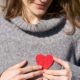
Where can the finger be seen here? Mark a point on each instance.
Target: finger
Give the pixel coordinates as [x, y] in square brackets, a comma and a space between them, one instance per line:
[40, 78]
[30, 75]
[56, 72]
[20, 65]
[30, 68]
[61, 62]
[55, 77]
[45, 78]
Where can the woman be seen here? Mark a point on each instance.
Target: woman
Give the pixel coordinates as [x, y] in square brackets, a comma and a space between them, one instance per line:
[29, 30]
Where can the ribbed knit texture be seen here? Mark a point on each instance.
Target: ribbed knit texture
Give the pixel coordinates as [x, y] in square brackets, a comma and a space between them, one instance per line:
[20, 40]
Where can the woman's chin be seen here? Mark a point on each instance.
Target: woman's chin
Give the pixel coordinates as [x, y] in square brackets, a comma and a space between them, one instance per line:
[40, 13]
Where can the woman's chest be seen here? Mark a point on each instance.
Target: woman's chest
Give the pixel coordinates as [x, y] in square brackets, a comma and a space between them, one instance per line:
[17, 48]
[31, 45]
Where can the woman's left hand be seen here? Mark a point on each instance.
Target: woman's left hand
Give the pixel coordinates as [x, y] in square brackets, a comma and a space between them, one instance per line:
[63, 74]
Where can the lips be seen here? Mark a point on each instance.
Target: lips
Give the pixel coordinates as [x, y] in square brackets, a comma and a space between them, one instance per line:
[40, 6]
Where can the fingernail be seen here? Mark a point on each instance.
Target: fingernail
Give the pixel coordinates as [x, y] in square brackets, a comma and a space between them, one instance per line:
[43, 74]
[44, 70]
[40, 66]
[25, 61]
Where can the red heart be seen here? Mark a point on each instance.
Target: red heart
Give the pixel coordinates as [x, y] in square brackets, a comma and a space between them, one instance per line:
[45, 61]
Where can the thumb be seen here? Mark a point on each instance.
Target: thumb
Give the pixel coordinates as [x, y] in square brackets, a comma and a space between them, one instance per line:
[61, 62]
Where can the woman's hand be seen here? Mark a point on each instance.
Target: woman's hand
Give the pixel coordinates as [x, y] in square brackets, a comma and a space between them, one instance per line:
[18, 72]
[63, 74]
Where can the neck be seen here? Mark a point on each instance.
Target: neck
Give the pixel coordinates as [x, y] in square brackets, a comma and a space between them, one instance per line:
[29, 17]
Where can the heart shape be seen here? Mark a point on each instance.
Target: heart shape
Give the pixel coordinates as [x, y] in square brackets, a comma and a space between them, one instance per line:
[45, 61]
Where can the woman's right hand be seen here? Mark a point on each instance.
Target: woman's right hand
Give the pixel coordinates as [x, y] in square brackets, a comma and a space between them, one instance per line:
[18, 72]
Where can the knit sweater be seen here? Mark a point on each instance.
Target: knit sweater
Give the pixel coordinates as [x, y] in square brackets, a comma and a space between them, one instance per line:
[20, 40]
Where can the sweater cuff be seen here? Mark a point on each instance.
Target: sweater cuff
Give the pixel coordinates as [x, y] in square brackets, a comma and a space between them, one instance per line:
[75, 71]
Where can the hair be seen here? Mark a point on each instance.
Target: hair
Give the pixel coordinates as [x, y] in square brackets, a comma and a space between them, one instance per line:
[72, 11]
[3, 5]
[70, 8]
[15, 8]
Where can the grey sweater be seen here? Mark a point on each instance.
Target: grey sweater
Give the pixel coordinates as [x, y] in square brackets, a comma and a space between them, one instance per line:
[20, 40]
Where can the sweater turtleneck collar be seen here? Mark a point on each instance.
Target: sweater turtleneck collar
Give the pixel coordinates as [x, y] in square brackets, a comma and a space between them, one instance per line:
[42, 26]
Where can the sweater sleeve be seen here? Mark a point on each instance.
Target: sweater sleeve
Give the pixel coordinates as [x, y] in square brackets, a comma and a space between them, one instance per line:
[75, 71]
[75, 63]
